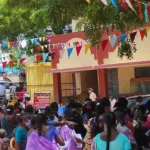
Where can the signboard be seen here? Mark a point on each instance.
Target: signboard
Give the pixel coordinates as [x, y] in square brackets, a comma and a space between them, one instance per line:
[41, 99]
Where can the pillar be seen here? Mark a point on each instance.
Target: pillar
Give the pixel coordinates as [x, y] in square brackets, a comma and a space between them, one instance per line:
[57, 87]
[102, 82]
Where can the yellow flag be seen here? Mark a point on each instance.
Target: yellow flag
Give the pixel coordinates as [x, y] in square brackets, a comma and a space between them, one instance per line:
[88, 1]
[87, 46]
[42, 47]
[8, 44]
[148, 30]
[44, 38]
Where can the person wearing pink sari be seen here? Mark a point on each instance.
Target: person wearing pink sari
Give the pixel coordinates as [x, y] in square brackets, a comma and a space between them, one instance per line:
[37, 140]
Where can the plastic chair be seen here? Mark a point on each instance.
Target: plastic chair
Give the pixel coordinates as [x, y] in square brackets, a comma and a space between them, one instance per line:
[12, 144]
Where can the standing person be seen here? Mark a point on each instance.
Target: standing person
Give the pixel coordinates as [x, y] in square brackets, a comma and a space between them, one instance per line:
[112, 102]
[8, 122]
[2, 93]
[13, 89]
[92, 95]
[21, 132]
[110, 139]
[36, 140]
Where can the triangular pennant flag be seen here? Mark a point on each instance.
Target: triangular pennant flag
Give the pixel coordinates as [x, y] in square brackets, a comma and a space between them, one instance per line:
[88, 1]
[31, 50]
[4, 58]
[114, 3]
[123, 4]
[48, 38]
[38, 58]
[43, 39]
[148, 30]
[32, 41]
[40, 39]
[129, 4]
[132, 36]
[11, 63]
[61, 53]
[140, 10]
[87, 47]
[45, 55]
[12, 44]
[42, 48]
[45, 46]
[77, 43]
[113, 40]
[4, 63]
[78, 49]
[8, 45]
[148, 9]
[146, 13]
[70, 50]
[22, 60]
[142, 33]
[38, 48]
[105, 2]
[122, 38]
[104, 43]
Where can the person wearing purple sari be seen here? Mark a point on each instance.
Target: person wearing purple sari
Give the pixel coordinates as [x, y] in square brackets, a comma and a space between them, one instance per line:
[36, 140]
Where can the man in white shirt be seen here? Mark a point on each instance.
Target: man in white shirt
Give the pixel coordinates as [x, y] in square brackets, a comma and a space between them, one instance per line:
[92, 95]
[112, 102]
[2, 89]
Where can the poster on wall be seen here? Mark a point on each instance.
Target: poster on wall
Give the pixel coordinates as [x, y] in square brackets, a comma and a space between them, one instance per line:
[41, 99]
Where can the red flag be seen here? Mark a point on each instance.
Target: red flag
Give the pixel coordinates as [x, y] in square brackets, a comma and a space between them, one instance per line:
[140, 10]
[104, 43]
[148, 9]
[11, 63]
[132, 36]
[38, 58]
[38, 48]
[4, 63]
[142, 33]
[78, 49]
[22, 60]
[12, 44]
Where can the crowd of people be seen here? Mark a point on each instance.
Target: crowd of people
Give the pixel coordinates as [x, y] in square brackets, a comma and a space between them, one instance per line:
[106, 124]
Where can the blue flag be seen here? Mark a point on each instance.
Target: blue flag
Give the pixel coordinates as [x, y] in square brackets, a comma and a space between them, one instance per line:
[69, 51]
[114, 3]
[122, 38]
[113, 40]
[45, 56]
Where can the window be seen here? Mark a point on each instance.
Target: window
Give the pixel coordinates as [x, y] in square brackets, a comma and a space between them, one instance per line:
[142, 72]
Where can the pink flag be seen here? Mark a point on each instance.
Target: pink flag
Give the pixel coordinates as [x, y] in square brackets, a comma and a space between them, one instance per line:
[4, 63]
[105, 2]
[22, 60]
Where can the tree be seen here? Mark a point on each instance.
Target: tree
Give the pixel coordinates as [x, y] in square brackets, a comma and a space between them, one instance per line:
[35, 15]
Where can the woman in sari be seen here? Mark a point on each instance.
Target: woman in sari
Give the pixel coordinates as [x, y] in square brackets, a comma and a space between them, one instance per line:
[36, 140]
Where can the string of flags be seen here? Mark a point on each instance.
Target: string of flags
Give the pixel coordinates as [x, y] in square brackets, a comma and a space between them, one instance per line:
[143, 8]
[79, 46]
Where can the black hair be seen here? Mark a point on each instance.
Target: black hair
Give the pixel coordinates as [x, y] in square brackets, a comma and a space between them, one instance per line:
[98, 127]
[40, 120]
[21, 117]
[29, 109]
[48, 110]
[10, 110]
[104, 101]
[139, 99]
[120, 117]
[16, 105]
[54, 106]
[74, 116]
[122, 103]
[110, 121]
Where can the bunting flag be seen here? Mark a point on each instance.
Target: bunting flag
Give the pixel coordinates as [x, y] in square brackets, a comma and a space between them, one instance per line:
[104, 43]
[132, 36]
[142, 33]
[113, 40]
[12, 44]
[8, 45]
[42, 48]
[45, 55]
[146, 13]
[48, 38]
[87, 47]
[31, 50]
[88, 1]
[43, 39]
[148, 9]
[104, 2]
[148, 30]
[129, 4]
[38, 58]
[140, 10]
[11, 63]
[4, 63]
[70, 50]
[114, 3]
[38, 48]
[123, 4]
[61, 53]
[22, 60]
[123, 37]
[78, 50]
